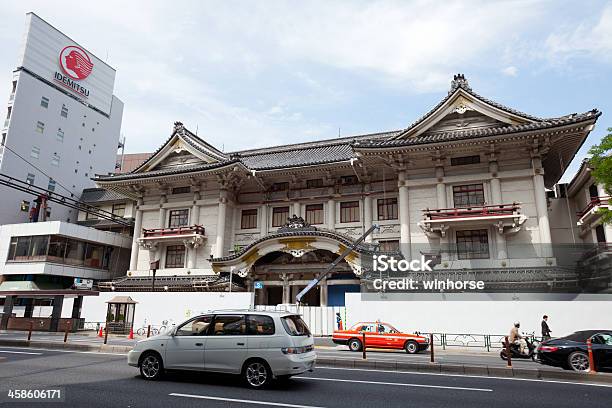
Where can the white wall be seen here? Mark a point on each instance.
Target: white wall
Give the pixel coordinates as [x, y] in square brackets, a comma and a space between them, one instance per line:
[159, 306]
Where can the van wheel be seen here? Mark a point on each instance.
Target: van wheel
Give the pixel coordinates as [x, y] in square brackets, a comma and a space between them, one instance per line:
[354, 345]
[151, 366]
[411, 347]
[256, 374]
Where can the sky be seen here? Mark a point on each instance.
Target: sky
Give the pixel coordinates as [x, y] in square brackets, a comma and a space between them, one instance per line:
[247, 74]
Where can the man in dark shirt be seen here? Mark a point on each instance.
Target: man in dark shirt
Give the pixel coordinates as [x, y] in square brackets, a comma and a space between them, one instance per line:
[545, 329]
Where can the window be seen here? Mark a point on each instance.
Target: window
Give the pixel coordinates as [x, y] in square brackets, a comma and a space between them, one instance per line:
[284, 186]
[64, 112]
[314, 214]
[248, 219]
[348, 180]
[40, 127]
[387, 209]
[295, 326]
[229, 325]
[175, 256]
[75, 252]
[94, 255]
[44, 102]
[51, 185]
[92, 214]
[181, 190]
[314, 183]
[30, 179]
[195, 327]
[388, 246]
[178, 218]
[473, 244]
[59, 135]
[461, 161]
[119, 209]
[280, 215]
[55, 159]
[349, 211]
[260, 325]
[467, 195]
[35, 153]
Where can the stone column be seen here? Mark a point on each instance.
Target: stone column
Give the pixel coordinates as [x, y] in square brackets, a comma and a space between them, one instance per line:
[264, 220]
[9, 301]
[136, 235]
[331, 214]
[441, 202]
[56, 313]
[286, 289]
[162, 211]
[323, 293]
[404, 215]
[541, 207]
[297, 209]
[496, 199]
[190, 250]
[221, 215]
[367, 213]
[195, 209]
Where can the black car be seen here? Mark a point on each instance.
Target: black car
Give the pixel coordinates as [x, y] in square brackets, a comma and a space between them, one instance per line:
[570, 352]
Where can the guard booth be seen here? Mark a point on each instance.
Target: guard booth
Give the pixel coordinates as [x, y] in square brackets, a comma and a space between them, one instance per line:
[120, 314]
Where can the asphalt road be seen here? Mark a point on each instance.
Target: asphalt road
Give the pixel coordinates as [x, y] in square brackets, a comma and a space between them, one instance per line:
[102, 380]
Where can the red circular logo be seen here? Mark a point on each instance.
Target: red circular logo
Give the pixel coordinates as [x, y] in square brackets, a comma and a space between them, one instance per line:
[75, 62]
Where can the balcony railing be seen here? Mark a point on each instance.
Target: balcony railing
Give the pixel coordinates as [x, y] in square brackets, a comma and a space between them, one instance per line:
[595, 202]
[477, 211]
[173, 231]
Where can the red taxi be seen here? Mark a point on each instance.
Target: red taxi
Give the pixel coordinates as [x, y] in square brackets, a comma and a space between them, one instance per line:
[380, 335]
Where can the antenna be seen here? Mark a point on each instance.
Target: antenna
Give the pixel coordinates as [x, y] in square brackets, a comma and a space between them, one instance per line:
[197, 127]
[338, 131]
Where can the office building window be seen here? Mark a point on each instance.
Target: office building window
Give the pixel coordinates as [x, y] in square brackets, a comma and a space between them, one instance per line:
[30, 179]
[472, 244]
[387, 209]
[35, 153]
[119, 209]
[280, 215]
[467, 195]
[44, 102]
[248, 219]
[314, 183]
[64, 112]
[51, 185]
[391, 245]
[40, 127]
[178, 218]
[314, 214]
[60, 135]
[175, 256]
[55, 159]
[349, 211]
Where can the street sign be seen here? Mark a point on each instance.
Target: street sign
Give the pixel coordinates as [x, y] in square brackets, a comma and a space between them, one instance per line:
[259, 285]
[80, 283]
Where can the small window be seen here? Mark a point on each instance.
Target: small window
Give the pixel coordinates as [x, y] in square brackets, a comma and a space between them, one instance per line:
[260, 325]
[461, 161]
[314, 214]
[59, 135]
[181, 190]
[349, 211]
[119, 209]
[55, 159]
[248, 219]
[348, 180]
[195, 327]
[284, 186]
[44, 102]
[387, 209]
[295, 326]
[473, 244]
[175, 256]
[64, 112]
[40, 127]
[92, 214]
[51, 185]
[314, 183]
[468, 195]
[178, 218]
[35, 153]
[229, 325]
[30, 179]
[389, 246]
[280, 215]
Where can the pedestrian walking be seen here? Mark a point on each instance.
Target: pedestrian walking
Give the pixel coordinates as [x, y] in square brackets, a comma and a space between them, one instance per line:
[545, 329]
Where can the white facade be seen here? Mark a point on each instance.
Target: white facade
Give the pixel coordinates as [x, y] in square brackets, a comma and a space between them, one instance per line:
[66, 133]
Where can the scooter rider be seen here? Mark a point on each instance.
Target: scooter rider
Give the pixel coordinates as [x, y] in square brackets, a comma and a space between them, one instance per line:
[516, 338]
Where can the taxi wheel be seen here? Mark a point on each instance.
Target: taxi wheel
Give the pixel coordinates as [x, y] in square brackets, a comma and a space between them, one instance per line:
[411, 347]
[354, 345]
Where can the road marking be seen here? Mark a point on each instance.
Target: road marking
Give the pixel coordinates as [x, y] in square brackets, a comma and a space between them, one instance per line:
[19, 352]
[444, 387]
[72, 351]
[470, 376]
[207, 397]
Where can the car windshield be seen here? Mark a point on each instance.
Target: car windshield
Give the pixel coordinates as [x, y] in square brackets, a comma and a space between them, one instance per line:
[295, 326]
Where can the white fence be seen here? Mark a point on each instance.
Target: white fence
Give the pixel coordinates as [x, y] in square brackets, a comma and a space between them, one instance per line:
[320, 319]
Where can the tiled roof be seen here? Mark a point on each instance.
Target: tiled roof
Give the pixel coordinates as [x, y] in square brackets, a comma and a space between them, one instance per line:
[168, 172]
[98, 195]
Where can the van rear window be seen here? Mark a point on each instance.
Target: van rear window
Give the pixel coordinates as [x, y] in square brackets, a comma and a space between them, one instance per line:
[295, 326]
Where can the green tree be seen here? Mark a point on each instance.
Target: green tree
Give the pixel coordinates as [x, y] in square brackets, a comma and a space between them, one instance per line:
[601, 162]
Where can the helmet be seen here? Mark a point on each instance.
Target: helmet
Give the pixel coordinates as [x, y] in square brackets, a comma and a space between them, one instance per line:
[517, 324]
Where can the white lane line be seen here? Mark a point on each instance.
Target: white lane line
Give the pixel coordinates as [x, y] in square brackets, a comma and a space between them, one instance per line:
[443, 387]
[208, 397]
[470, 376]
[19, 352]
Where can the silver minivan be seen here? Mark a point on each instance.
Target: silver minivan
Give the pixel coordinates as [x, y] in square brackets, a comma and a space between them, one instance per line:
[259, 346]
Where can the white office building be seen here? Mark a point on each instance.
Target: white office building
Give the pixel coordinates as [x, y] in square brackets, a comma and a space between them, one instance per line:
[62, 121]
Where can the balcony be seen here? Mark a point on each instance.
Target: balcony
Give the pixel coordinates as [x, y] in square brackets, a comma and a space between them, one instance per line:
[193, 234]
[589, 214]
[505, 217]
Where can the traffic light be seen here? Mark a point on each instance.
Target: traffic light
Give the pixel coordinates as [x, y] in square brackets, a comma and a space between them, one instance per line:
[25, 206]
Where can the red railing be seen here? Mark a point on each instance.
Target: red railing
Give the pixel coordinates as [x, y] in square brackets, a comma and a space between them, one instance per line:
[595, 201]
[472, 211]
[164, 232]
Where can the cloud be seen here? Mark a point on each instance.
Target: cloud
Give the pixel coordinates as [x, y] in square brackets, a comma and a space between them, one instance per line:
[510, 71]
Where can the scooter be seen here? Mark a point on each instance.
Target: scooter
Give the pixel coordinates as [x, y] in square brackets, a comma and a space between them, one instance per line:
[532, 345]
